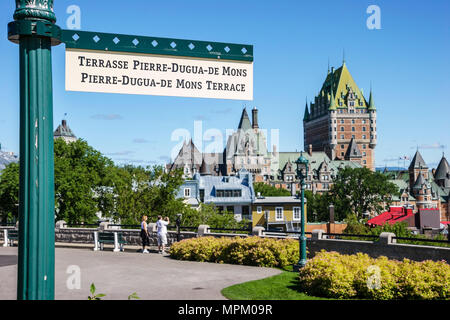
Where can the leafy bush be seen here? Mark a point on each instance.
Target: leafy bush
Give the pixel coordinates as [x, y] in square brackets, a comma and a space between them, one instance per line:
[330, 274]
[252, 251]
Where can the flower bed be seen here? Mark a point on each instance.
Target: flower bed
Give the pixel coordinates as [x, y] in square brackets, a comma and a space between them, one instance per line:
[330, 274]
[252, 251]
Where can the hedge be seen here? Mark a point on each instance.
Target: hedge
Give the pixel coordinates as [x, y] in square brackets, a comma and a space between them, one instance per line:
[330, 274]
[252, 251]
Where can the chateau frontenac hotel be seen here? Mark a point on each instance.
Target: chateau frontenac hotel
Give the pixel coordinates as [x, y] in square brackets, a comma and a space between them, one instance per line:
[341, 122]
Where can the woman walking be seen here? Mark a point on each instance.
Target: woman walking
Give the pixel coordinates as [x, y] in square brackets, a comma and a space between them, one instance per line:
[144, 234]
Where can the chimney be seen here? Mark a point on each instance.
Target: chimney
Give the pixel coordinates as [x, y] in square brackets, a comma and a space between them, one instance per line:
[310, 149]
[255, 118]
[64, 123]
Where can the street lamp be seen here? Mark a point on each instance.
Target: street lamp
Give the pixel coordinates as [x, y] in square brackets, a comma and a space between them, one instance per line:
[302, 173]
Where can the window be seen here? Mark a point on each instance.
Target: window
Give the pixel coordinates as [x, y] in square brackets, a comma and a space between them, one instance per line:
[364, 154]
[279, 213]
[363, 121]
[259, 209]
[364, 129]
[228, 193]
[353, 136]
[342, 128]
[364, 146]
[353, 121]
[187, 192]
[364, 136]
[342, 120]
[342, 146]
[230, 209]
[202, 195]
[364, 161]
[342, 136]
[353, 128]
[342, 154]
[296, 211]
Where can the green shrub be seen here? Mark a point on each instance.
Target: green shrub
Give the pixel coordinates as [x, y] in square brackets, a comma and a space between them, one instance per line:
[252, 251]
[330, 274]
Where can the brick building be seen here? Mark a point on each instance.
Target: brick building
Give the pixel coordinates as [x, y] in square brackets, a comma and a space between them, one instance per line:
[340, 121]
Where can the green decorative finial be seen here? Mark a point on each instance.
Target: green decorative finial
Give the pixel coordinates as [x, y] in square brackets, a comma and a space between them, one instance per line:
[34, 10]
[371, 103]
[332, 102]
[306, 116]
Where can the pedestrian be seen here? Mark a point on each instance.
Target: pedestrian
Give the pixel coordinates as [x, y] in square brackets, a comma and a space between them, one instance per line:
[161, 226]
[144, 234]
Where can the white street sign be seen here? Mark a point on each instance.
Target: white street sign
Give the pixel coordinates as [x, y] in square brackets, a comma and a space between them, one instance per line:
[147, 74]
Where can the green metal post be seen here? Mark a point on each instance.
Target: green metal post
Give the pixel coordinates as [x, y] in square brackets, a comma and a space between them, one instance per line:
[35, 32]
[303, 162]
[302, 261]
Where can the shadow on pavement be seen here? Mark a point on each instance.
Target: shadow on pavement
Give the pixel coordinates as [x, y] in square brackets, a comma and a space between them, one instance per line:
[8, 260]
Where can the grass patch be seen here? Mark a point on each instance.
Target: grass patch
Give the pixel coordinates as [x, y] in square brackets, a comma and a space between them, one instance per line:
[280, 287]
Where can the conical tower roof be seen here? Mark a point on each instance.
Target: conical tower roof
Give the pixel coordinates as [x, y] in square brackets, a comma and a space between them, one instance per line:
[371, 103]
[204, 169]
[306, 115]
[353, 150]
[244, 123]
[418, 162]
[332, 102]
[442, 169]
[419, 182]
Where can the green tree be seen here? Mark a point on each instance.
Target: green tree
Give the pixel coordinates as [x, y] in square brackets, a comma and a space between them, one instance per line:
[9, 192]
[359, 190]
[208, 214]
[81, 179]
[267, 190]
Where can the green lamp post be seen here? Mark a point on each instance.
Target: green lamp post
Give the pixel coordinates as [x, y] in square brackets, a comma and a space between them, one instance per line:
[35, 31]
[302, 172]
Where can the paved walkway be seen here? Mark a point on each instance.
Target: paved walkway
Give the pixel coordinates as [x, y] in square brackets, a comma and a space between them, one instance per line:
[118, 274]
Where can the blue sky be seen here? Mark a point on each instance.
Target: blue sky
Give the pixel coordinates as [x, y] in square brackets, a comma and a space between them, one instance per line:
[406, 61]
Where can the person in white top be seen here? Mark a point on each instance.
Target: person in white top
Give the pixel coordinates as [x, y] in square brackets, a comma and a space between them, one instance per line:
[161, 226]
[144, 234]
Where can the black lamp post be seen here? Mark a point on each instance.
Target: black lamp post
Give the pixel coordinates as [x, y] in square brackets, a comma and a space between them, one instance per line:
[302, 172]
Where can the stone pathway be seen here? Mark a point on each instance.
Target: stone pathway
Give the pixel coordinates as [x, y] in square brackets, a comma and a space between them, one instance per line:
[118, 274]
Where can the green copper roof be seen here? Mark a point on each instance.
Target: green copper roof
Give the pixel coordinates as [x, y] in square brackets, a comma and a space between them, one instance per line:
[371, 103]
[336, 88]
[306, 116]
[333, 102]
[244, 123]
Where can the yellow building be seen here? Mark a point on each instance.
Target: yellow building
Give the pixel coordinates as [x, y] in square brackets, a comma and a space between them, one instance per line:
[277, 212]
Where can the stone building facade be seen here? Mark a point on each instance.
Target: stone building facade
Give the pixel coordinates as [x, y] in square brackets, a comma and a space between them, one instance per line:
[421, 188]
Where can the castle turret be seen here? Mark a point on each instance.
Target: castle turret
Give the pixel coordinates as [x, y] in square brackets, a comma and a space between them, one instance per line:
[373, 121]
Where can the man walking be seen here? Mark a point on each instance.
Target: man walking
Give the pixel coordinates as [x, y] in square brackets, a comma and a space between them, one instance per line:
[161, 226]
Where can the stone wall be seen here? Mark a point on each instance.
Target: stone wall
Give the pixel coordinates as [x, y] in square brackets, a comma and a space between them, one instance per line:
[385, 246]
